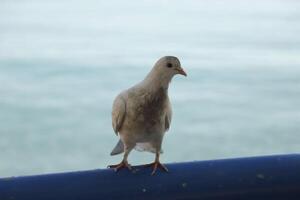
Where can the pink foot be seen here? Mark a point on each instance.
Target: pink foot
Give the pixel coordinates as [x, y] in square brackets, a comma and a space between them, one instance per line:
[119, 166]
[156, 165]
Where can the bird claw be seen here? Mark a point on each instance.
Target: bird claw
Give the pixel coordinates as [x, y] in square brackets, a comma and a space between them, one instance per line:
[156, 165]
[119, 166]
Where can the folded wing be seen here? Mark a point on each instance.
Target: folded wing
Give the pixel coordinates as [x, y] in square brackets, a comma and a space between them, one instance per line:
[118, 113]
[168, 117]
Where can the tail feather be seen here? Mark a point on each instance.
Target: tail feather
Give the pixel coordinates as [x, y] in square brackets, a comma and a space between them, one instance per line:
[119, 148]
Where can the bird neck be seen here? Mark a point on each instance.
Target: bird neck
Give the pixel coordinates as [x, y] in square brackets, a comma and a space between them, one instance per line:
[156, 81]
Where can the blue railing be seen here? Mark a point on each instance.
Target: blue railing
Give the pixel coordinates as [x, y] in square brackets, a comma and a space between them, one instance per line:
[265, 177]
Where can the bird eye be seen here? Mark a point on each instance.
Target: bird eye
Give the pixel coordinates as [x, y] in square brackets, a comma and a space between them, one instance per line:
[169, 65]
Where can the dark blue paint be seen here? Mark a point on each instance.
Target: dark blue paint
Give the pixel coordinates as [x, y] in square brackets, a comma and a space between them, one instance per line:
[266, 177]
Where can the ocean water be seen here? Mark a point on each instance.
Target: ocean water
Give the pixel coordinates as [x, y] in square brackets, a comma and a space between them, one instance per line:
[63, 62]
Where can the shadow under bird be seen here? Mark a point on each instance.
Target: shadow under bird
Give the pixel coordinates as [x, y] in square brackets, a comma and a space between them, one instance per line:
[142, 114]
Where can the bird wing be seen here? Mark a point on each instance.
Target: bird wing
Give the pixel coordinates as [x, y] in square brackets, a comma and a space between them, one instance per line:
[168, 117]
[118, 113]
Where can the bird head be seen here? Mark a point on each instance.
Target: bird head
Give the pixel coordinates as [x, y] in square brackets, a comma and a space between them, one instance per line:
[163, 71]
[168, 66]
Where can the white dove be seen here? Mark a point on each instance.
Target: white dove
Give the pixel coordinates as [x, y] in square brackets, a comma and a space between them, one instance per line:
[142, 114]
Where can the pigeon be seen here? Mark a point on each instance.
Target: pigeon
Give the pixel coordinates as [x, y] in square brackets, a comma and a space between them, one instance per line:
[142, 114]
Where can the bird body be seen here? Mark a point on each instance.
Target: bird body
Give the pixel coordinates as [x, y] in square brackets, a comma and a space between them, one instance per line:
[147, 116]
[142, 114]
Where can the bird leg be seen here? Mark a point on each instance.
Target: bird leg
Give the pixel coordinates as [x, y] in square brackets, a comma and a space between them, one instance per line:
[124, 163]
[156, 164]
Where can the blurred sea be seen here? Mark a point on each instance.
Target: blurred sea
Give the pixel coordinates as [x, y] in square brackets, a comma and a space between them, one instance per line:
[63, 62]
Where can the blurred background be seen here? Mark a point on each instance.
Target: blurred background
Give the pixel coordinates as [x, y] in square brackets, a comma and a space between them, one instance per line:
[63, 62]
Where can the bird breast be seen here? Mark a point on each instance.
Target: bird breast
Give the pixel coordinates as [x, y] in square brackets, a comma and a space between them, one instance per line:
[149, 110]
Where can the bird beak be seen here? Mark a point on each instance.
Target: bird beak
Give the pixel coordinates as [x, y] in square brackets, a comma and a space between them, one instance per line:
[181, 71]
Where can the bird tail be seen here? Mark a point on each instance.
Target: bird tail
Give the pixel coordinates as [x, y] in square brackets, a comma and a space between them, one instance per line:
[119, 148]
